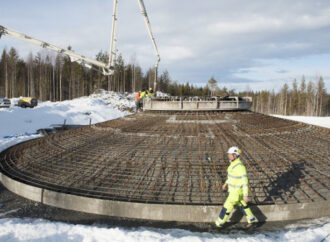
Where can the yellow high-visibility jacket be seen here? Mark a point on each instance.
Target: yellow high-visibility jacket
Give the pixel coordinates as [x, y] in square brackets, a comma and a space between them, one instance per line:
[143, 95]
[237, 178]
[151, 94]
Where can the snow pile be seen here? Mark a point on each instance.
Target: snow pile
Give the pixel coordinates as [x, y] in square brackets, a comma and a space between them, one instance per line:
[319, 121]
[121, 101]
[19, 124]
[16, 121]
[42, 230]
[162, 94]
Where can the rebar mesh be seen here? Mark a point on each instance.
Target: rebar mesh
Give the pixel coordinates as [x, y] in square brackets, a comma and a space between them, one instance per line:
[178, 158]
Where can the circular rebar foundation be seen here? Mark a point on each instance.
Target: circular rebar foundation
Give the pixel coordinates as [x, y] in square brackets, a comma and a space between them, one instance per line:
[175, 159]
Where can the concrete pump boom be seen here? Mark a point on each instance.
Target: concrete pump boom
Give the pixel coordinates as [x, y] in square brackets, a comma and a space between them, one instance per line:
[112, 53]
[146, 19]
[73, 56]
[113, 37]
[105, 69]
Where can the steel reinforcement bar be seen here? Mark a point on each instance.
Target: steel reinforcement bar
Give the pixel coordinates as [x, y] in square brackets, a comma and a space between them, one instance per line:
[178, 158]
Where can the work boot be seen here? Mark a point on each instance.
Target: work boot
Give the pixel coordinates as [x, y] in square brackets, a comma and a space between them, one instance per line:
[218, 223]
[251, 223]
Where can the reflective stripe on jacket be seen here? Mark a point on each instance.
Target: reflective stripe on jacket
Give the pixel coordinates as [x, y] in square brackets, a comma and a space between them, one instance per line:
[237, 178]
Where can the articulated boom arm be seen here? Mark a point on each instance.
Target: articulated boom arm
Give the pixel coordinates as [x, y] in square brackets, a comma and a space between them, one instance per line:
[105, 69]
[73, 56]
[113, 41]
[146, 19]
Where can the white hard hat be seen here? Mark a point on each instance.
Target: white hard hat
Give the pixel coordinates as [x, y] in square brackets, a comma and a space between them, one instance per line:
[234, 150]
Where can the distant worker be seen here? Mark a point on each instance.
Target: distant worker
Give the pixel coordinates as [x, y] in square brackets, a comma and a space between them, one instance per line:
[137, 100]
[237, 182]
[151, 92]
[143, 93]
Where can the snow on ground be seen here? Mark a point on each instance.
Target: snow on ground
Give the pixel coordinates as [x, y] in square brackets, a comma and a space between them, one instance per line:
[42, 230]
[319, 121]
[15, 139]
[17, 125]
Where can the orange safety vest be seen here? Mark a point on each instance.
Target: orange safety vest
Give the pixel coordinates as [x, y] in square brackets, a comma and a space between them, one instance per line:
[137, 97]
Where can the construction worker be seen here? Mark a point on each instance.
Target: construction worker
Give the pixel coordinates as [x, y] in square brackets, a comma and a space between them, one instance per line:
[237, 182]
[137, 100]
[151, 92]
[143, 93]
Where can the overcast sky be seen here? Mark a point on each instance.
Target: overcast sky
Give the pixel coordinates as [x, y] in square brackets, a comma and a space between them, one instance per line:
[256, 44]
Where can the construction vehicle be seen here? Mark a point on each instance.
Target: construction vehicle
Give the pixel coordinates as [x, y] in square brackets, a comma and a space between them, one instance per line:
[4, 102]
[27, 102]
[105, 69]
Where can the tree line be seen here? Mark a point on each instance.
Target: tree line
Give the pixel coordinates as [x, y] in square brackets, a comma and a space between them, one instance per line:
[308, 99]
[47, 76]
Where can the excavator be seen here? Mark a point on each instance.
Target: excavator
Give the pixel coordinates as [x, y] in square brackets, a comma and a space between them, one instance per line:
[105, 69]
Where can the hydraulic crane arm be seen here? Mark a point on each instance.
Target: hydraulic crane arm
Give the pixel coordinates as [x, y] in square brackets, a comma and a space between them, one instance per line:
[73, 56]
[107, 69]
[146, 19]
[113, 36]
[113, 40]
[112, 53]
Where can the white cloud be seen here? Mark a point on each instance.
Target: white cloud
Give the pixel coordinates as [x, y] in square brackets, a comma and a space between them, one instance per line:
[174, 53]
[196, 39]
[256, 23]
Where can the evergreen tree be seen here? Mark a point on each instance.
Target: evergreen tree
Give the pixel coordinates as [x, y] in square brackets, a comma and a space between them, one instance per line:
[59, 76]
[4, 83]
[102, 81]
[284, 99]
[164, 82]
[12, 71]
[66, 78]
[310, 99]
[320, 98]
[30, 76]
[302, 97]
[294, 99]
